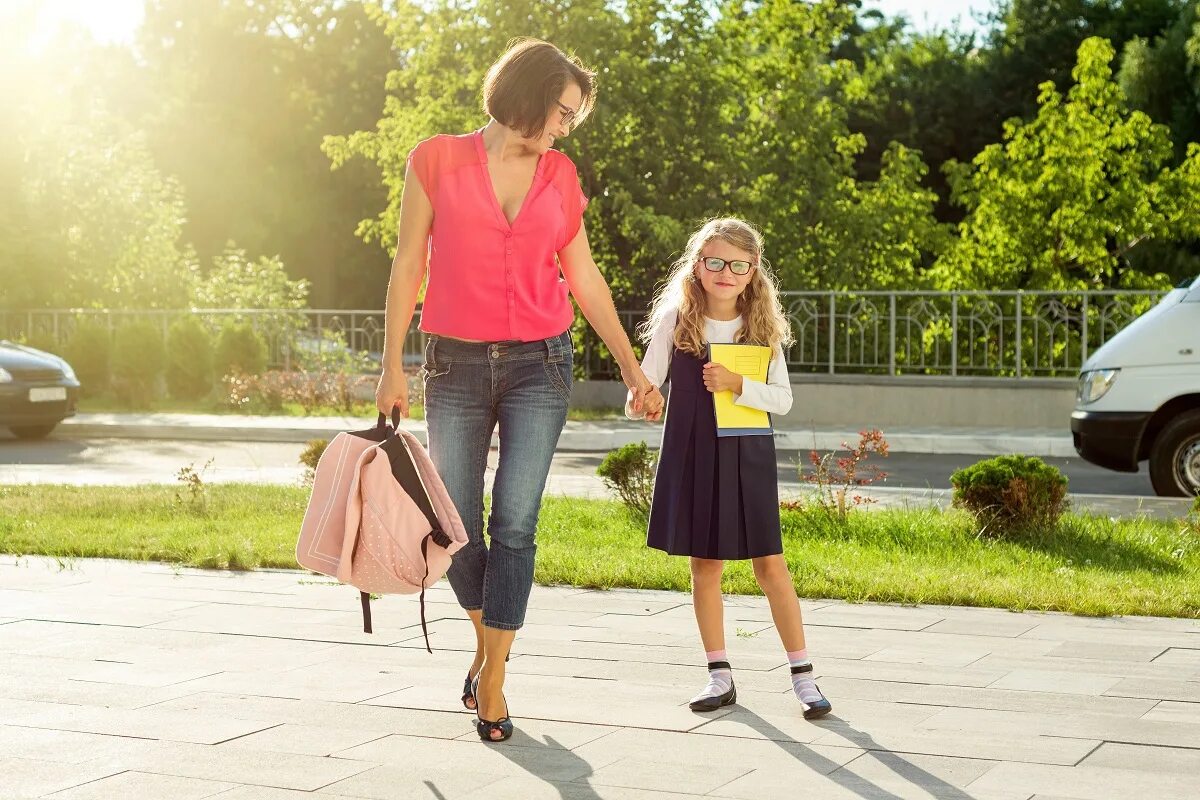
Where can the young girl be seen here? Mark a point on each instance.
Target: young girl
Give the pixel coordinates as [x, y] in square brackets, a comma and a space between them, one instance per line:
[717, 499]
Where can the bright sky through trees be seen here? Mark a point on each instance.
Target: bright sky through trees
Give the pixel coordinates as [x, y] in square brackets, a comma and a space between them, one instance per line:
[926, 15]
[114, 21]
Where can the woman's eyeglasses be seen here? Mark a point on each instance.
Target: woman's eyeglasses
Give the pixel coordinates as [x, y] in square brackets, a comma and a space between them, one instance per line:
[569, 115]
[714, 264]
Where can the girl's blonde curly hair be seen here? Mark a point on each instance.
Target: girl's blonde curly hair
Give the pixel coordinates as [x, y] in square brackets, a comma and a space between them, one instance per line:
[763, 320]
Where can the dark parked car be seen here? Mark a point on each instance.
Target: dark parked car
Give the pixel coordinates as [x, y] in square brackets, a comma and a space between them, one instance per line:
[37, 390]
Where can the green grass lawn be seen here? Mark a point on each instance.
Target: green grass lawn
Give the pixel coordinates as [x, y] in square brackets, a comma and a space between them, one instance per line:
[1090, 565]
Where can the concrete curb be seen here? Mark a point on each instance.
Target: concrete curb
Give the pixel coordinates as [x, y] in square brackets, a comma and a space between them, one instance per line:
[587, 437]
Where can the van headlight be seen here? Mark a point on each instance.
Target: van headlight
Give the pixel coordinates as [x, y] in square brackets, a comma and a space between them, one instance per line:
[1095, 384]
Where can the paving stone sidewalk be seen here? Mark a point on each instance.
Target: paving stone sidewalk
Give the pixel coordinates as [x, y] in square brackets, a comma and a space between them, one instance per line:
[126, 680]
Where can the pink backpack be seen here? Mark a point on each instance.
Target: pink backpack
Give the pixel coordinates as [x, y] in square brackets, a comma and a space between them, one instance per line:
[379, 517]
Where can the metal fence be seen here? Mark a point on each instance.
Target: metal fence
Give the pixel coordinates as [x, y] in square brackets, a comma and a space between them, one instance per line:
[982, 333]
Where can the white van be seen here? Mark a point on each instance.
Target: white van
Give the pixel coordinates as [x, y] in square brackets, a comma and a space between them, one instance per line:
[1139, 396]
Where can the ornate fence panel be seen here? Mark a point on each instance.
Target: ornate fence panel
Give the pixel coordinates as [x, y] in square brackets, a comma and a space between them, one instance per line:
[998, 334]
[984, 333]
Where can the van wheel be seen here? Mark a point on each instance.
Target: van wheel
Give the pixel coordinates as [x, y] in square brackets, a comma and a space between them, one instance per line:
[1175, 457]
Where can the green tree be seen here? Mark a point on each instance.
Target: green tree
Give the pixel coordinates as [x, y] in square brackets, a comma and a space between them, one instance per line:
[1161, 76]
[947, 93]
[1065, 198]
[235, 98]
[238, 281]
[115, 221]
[87, 219]
[928, 92]
[704, 109]
[1035, 41]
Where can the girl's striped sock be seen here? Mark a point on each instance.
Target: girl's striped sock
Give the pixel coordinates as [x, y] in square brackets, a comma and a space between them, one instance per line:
[802, 674]
[720, 675]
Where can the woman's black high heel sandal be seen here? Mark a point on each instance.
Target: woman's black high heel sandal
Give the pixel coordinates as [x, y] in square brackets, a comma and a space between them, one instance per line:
[484, 727]
[468, 695]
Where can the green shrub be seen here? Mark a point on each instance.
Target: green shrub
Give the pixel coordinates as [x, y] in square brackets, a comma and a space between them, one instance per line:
[189, 359]
[89, 352]
[1011, 493]
[313, 451]
[628, 472]
[240, 350]
[139, 356]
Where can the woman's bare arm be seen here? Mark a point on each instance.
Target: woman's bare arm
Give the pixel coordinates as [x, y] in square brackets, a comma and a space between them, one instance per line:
[404, 286]
[591, 292]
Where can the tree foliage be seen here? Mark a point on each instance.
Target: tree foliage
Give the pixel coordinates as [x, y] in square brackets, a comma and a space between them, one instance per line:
[238, 281]
[828, 124]
[235, 97]
[704, 109]
[1161, 76]
[87, 218]
[1065, 198]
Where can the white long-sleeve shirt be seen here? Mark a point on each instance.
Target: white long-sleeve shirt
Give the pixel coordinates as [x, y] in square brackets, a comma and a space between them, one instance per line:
[774, 396]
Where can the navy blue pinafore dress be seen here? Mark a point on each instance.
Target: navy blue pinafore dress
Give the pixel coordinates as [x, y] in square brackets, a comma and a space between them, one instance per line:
[714, 497]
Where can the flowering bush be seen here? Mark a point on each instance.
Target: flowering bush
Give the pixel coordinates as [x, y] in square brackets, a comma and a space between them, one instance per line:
[837, 475]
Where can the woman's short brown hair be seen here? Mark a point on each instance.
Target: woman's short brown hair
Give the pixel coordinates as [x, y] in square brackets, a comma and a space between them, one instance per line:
[525, 83]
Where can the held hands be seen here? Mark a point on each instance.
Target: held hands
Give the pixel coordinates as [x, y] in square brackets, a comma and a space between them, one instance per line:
[719, 379]
[645, 401]
[392, 392]
[652, 408]
[654, 404]
[635, 380]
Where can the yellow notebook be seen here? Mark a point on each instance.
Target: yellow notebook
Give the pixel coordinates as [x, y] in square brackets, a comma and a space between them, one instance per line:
[749, 361]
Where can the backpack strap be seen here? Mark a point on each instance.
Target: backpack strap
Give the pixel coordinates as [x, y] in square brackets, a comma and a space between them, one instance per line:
[425, 557]
[404, 470]
[365, 599]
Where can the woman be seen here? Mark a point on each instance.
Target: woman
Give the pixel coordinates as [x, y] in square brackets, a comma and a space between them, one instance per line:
[497, 215]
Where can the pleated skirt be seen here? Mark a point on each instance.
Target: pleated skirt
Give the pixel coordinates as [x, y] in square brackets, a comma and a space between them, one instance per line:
[714, 497]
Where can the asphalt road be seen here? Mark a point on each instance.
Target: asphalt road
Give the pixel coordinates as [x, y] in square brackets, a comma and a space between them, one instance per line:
[126, 461]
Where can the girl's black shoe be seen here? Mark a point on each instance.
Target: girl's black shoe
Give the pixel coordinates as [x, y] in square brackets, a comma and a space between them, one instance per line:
[818, 709]
[713, 702]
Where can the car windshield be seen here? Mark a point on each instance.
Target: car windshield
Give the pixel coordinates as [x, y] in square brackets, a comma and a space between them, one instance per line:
[1186, 283]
